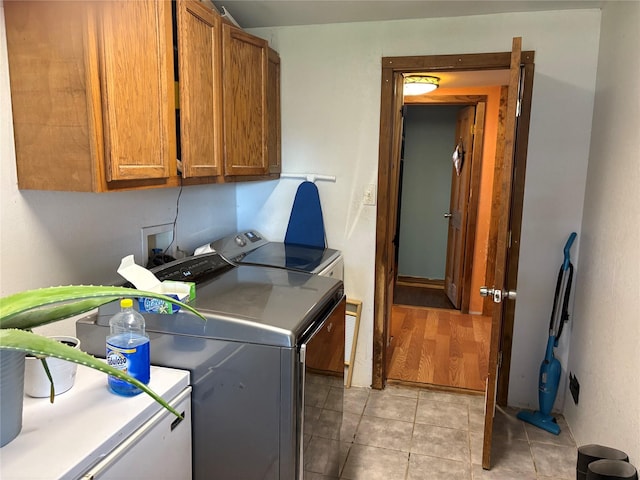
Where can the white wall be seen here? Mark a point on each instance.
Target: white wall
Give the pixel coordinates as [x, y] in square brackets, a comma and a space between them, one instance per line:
[330, 125]
[53, 238]
[605, 345]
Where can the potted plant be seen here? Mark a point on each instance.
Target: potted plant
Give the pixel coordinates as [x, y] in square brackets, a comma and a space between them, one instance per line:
[44, 377]
[21, 312]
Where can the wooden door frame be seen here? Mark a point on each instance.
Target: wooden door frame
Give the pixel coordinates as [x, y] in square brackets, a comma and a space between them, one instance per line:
[480, 103]
[392, 67]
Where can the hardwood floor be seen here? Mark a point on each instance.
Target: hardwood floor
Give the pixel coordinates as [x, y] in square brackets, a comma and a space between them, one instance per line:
[439, 347]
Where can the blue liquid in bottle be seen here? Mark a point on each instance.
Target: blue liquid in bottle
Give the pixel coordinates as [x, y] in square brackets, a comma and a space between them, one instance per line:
[128, 349]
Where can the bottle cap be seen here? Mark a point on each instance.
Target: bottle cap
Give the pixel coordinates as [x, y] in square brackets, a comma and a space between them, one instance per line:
[126, 303]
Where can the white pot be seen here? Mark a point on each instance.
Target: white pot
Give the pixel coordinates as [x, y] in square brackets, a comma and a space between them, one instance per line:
[36, 382]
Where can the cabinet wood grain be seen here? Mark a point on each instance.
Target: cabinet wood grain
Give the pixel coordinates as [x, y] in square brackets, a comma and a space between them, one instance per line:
[244, 79]
[89, 93]
[199, 54]
[273, 113]
[107, 96]
[137, 69]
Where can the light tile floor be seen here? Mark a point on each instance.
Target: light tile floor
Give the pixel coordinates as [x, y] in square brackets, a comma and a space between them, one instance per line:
[405, 433]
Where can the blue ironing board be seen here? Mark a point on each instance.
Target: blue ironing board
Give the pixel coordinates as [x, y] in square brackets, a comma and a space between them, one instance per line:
[306, 226]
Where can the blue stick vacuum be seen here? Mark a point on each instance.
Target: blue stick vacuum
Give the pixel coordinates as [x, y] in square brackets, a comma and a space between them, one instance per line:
[551, 369]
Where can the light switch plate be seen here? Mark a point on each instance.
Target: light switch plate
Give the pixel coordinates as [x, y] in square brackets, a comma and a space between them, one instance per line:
[369, 197]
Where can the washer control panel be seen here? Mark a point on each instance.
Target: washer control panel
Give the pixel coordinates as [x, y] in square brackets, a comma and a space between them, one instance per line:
[234, 246]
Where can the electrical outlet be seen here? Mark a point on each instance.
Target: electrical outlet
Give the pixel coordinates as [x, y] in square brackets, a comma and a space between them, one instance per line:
[574, 387]
[369, 197]
[157, 236]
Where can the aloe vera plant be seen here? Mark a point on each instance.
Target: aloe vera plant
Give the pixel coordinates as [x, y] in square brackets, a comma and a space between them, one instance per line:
[21, 312]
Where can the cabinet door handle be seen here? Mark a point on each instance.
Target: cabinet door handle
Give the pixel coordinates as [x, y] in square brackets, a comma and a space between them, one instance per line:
[177, 421]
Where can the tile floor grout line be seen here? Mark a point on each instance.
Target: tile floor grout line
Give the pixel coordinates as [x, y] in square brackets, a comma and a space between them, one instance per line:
[470, 463]
[413, 429]
[529, 442]
[353, 440]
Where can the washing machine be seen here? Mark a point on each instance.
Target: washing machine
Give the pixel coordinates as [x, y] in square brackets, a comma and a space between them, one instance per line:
[258, 366]
[252, 248]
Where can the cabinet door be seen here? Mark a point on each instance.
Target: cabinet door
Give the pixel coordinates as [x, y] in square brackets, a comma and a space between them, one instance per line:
[200, 100]
[53, 139]
[325, 351]
[244, 80]
[273, 113]
[161, 448]
[137, 89]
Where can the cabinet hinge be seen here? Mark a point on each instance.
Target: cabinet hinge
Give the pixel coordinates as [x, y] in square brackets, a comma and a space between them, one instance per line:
[499, 360]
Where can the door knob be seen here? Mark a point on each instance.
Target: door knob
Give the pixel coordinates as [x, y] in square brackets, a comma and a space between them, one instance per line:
[447, 215]
[497, 294]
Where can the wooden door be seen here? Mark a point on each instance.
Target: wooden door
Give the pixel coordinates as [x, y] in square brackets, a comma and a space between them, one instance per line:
[244, 83]
[200, 87]
[137, 81]
[502, 245]
[459, 205]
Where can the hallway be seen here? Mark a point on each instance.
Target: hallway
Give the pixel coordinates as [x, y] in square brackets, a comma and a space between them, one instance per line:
[439, 347]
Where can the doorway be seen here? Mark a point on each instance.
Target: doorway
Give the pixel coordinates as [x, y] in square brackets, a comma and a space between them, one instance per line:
[423, 213]
[483, 66]
[443, 211]
[506, 207]
[434, 339]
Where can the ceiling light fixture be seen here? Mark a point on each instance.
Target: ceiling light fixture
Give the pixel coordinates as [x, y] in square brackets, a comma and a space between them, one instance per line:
[420, 84]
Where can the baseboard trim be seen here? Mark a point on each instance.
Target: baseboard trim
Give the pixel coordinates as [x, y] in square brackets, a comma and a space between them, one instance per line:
[435, 387]
[420, 282]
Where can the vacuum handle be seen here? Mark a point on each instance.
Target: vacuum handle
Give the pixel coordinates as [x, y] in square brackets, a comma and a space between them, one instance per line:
[567, 248]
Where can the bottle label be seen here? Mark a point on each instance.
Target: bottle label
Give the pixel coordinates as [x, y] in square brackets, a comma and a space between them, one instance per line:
[133, 361]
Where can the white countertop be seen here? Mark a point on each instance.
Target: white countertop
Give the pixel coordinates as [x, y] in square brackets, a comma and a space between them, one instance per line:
[64, 439]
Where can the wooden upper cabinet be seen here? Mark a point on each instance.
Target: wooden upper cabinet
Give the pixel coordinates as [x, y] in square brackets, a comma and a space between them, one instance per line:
[93, 91]
[244, 84]
[273, 113]
[89, 89]
[200, 99]
[138, 94]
